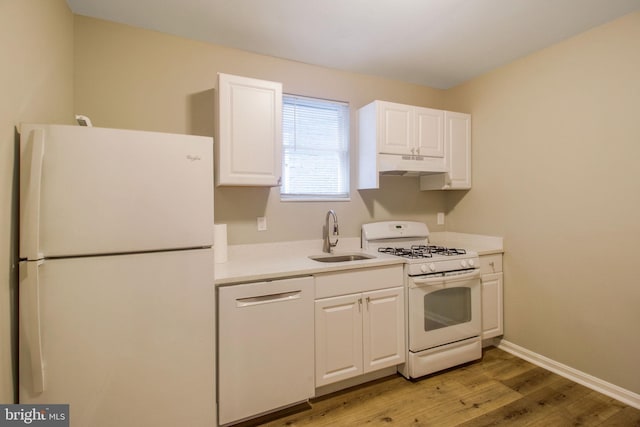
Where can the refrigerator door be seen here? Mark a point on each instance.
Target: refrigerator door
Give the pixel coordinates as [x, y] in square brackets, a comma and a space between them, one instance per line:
[126, 340]
[87, 191]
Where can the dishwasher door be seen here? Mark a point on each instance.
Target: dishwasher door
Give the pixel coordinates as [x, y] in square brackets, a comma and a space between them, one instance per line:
[265, 347]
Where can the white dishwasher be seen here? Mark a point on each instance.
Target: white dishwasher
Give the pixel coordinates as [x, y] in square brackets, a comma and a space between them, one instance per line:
[265, 347]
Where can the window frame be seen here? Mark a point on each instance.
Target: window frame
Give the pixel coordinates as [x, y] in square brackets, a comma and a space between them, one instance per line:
[287, 197]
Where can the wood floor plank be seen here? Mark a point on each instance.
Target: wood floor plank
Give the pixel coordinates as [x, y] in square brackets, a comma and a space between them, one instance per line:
[626, 417]
[561, 393]
[531, 380]
[498, 390]
[594, 409]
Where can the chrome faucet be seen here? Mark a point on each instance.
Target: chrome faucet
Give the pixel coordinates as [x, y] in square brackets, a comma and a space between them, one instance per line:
[327, 243]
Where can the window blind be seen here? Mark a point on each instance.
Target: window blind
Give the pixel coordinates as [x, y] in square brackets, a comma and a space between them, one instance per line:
[315, 136]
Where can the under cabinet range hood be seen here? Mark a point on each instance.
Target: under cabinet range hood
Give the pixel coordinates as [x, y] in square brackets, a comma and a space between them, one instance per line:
[415, 165]
[371, 168]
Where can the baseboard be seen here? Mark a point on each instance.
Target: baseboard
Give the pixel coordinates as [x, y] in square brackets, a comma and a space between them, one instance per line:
[352, 382]
[625, 396]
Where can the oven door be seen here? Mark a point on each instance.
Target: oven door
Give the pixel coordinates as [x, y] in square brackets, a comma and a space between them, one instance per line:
[443, 309]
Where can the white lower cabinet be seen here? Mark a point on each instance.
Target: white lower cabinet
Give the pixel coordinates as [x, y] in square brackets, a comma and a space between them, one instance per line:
[359, 332]
[383, 329]
[492, 289]
[338, 338]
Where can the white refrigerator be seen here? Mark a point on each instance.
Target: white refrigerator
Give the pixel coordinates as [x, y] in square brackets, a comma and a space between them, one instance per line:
[117, 300]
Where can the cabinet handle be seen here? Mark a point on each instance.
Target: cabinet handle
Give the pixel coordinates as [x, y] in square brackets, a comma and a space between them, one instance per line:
[266, 299]
[359, 304]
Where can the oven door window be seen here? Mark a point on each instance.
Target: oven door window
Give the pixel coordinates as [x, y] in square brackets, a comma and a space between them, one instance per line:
[447, 307]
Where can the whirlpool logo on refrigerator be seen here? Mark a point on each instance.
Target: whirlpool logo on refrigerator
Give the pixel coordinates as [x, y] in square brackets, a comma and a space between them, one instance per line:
[193, 158]
[34, 415]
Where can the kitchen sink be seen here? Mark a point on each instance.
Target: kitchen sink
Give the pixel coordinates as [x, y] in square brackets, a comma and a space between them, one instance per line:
[341, 257]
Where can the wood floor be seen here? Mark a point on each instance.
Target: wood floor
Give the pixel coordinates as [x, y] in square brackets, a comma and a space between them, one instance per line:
[501, 389]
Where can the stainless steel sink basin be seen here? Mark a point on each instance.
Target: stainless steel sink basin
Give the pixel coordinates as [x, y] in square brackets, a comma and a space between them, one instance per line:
[340, 257]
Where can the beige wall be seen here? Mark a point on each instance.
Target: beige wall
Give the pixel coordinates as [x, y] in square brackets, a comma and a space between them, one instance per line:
[133, 78]
[36, 85]
[556, 171]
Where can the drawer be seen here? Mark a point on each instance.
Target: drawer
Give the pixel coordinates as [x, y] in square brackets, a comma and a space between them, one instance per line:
[490, 263]
[358, 280]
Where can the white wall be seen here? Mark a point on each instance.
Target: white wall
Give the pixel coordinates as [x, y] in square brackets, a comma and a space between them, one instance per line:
[556, 171]
[36, 85]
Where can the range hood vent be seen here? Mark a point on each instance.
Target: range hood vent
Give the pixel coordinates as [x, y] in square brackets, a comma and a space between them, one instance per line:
[402, 173]
[393, 164]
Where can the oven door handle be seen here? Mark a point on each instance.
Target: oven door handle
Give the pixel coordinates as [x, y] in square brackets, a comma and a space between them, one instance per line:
[445, 280]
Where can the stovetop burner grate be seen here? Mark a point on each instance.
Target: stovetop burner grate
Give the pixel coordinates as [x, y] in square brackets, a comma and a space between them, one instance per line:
[422, 251]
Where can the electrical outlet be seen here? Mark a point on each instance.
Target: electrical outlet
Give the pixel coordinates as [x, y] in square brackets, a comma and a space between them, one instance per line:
[262, 223]
[440, 218]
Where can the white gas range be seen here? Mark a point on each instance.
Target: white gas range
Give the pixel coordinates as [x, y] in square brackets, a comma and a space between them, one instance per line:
[443, 302]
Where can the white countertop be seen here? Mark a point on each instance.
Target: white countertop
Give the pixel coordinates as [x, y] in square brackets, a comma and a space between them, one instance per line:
[261, 261]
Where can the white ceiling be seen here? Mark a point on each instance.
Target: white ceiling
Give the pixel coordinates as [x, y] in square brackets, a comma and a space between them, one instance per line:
[437, 43]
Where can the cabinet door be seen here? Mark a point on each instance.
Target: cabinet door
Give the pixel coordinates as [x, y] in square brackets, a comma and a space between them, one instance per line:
[457, 149]
[396, 128]
[383, 328]
[338, 338]
[458, 144]
[492, 305]
[249, 134]
[429, 132]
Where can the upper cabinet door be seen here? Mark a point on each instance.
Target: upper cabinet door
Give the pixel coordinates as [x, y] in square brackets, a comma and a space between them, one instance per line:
[429, 132]
[457, 146]
[396, 128]
[458, 139]
[410, 130]
[249, 132]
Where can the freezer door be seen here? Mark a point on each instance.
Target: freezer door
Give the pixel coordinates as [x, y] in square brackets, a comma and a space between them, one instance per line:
[126, 340]
[86, 191]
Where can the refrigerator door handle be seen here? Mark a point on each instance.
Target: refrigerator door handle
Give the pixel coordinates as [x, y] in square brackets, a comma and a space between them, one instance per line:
[31, 318]
[30, 223]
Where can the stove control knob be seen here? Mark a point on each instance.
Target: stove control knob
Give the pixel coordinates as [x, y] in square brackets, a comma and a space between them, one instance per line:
[471, 263]
[432, 267]
[463, 263]
[424, 268]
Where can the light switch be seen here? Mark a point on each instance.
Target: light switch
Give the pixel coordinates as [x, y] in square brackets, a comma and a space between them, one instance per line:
[440, 218]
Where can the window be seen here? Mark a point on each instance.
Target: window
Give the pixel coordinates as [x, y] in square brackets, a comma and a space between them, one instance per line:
[315, 135]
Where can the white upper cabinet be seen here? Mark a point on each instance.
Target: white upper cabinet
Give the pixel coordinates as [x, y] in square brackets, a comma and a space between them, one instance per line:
[409, 130]
[248, 132]
[399, 139]
[429, 136]
[396, 130]
[457, 138]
